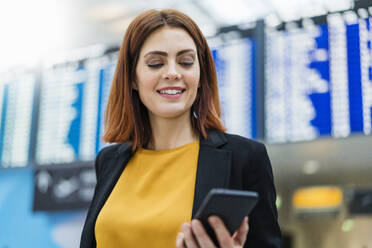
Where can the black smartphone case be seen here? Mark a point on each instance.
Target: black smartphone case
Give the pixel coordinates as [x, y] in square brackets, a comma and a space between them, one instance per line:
[230, 205]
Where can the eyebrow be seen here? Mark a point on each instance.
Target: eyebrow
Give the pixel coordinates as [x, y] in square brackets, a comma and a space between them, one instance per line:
[166, 54]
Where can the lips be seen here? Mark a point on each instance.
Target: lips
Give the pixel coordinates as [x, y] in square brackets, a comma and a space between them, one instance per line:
[171, 92]
[171, 89]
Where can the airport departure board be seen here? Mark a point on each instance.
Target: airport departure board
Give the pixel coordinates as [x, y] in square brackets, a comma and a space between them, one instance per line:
[17, 91]
[72, 101]
[319, 79]
[235, 65]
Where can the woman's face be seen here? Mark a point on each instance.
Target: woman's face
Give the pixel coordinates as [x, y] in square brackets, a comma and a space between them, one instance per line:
[168, 73]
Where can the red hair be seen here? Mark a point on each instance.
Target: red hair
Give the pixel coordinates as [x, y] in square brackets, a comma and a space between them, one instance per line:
[126, 118]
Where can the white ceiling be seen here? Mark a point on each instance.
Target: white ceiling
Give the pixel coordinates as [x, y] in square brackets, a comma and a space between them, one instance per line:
[211, 14]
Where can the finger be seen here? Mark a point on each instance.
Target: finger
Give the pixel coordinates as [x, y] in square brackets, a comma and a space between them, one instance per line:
[223, 235]
[189, 238]
[201, 235]
[180, 240]
[240, 235]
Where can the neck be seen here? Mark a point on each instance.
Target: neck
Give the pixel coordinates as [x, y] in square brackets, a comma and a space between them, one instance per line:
[168, 133]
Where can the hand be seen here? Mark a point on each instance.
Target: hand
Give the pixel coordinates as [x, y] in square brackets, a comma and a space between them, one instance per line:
[194, 236]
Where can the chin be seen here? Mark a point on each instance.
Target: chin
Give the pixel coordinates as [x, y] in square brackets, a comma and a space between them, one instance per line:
[171, 113]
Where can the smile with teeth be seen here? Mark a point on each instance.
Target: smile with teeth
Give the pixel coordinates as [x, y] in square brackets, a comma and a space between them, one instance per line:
[171, 92]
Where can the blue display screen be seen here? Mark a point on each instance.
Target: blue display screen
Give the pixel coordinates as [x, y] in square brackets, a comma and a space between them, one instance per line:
[72, 101]
[318, 80]
[105, 80]
[17, 91]
[235, 65]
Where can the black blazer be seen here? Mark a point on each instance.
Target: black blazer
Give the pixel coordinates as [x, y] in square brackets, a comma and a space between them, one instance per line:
[225, 161]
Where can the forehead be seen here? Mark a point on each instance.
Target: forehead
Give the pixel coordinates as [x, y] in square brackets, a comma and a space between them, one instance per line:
[168, 39]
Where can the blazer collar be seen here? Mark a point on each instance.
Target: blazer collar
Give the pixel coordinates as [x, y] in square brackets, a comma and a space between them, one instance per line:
[215, 139]
[214, 165]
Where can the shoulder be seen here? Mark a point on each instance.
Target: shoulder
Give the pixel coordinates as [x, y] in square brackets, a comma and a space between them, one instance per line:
[109, 150]
[106, 154]
[239, 143]
[112, 150]
[247, 153]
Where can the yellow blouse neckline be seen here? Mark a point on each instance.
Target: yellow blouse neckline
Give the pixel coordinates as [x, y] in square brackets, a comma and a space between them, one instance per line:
[148, 151]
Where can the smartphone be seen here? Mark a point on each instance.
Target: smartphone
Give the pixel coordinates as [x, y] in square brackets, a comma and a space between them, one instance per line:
[230, 205]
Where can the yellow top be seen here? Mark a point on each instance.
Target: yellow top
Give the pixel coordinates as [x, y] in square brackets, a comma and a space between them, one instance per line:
[152, 198]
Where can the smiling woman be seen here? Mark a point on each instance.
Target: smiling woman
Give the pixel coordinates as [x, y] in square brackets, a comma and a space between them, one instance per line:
[165, 45]
[164, 113]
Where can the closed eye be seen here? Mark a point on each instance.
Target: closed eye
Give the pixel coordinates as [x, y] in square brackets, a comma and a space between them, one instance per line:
[186, 64]
[155, 65]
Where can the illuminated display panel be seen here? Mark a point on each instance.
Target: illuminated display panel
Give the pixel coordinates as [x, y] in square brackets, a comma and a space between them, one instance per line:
[17, 99]
[319, 80]
[105, 81]
[236, 81]
[72, 102]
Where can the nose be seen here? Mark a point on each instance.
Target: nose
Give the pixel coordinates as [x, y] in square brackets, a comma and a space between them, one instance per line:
[172, 73]
[172, 76]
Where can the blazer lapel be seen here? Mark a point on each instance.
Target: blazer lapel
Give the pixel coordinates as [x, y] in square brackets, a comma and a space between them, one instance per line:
[110, 176]
[113, 171]
[214, 167]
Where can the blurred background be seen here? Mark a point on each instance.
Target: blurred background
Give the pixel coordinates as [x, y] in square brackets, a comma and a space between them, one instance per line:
[296, 75]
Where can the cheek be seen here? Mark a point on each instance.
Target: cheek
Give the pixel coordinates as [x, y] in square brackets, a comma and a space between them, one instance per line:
[146, 89]
[193, 77]
[146, 82]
